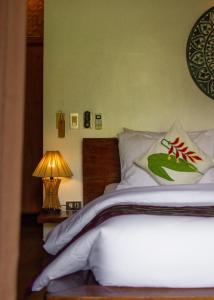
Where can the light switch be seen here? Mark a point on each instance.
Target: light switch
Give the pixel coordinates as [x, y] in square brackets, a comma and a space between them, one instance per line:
[74, 120]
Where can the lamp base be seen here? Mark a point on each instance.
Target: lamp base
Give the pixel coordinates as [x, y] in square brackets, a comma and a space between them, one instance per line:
[51, 202]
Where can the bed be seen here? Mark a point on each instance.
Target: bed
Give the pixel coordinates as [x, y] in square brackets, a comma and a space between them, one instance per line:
[82, 284]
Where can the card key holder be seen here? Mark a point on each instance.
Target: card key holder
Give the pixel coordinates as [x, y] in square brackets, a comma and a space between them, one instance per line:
[61, 126]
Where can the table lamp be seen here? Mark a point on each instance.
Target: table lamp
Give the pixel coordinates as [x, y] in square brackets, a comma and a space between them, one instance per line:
[50, 167]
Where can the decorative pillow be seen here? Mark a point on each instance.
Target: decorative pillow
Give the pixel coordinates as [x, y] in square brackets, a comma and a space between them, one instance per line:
[203, 138]
[132, 144]
[175, 159]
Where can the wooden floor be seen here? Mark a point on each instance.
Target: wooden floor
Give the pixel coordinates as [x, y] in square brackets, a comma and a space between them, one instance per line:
[31, 256]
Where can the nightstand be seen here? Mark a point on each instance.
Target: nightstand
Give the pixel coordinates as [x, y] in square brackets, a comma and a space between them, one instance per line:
[49, 221]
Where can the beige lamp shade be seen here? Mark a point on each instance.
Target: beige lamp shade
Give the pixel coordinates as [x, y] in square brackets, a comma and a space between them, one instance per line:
[52, 165]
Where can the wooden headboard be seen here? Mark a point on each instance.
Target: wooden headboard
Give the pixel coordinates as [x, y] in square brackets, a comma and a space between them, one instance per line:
[101, 166]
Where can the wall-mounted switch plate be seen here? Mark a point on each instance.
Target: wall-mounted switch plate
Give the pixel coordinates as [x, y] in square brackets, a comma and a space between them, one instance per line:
[87, 119]
[74, 120]
[98, 121]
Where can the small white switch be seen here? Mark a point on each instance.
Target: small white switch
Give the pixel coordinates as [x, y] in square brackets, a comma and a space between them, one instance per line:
[98, 121]
[74, 120]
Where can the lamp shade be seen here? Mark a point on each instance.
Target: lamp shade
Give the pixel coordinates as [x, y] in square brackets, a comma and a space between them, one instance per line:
[52, 165]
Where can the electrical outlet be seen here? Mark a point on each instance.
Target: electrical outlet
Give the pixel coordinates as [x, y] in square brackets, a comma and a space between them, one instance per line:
[73, 205]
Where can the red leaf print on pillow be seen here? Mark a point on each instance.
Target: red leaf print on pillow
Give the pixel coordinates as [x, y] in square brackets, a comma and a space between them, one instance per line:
[175, 141]
[175, 148]
[171, 150]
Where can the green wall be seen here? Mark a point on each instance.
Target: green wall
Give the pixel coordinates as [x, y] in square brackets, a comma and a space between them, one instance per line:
[124, 59]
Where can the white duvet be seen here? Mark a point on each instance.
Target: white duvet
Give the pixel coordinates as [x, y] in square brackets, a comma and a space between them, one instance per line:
[138, 250]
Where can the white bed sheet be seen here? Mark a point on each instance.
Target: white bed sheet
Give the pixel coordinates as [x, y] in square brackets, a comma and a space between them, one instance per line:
[141, 250]
[138, 250]
[177, 195]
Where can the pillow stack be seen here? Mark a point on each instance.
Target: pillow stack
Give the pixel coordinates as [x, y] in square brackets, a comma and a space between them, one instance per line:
[175, 157]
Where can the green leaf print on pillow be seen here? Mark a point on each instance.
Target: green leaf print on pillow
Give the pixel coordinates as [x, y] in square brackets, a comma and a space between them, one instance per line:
[158, 161]
[175, 159]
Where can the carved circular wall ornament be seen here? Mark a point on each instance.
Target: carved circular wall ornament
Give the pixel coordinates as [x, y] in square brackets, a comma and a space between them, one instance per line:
[200, 53]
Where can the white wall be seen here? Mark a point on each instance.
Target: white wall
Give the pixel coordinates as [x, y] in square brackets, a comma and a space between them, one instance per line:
[125, 59]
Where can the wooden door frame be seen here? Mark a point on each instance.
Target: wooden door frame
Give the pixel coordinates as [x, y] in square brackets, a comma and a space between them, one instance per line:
[12, 71]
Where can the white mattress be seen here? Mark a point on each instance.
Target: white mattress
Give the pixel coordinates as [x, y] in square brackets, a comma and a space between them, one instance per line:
[166, 252]
[138, 250]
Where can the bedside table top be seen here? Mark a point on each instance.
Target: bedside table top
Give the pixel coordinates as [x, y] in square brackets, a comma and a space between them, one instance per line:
[54, 218]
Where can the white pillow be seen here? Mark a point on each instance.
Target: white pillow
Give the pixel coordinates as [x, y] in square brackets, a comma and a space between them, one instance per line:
[175, 159]
[133, 143]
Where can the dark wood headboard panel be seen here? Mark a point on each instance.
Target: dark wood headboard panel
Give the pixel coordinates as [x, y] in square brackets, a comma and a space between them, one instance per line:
[101, 166]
